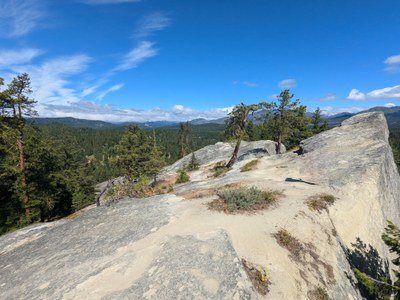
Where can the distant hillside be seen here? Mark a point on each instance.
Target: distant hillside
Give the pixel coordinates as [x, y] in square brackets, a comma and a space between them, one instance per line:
[220, 121]
[72, 122]
[392, 115]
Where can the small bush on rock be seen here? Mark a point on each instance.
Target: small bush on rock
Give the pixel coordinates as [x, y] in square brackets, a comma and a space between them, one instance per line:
[244, 199]
[182, 177]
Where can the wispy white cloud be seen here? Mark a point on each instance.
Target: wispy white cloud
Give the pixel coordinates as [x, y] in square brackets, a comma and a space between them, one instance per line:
[10, 58]
[114, 88]
[287, 83]
[89, 90]
[393, 64]
[385, 93]
[50, 80]
[137, 55]
[328, 97]
[245, 83]
[150, 24]
[102, 2]
[395, 59]
[19, 17]
[93, 111]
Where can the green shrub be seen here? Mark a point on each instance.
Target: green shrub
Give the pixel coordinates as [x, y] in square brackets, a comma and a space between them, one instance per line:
[320, 202]
[249, 166]
[289, 242]
[129, 188]
[182, 177]
[247, 198]
[193, 163]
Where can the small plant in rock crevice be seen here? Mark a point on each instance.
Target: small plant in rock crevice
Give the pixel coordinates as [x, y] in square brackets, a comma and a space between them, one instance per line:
[257, 276]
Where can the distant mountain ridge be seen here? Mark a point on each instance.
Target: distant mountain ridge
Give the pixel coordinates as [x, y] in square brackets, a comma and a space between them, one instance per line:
[73, 122]
[392, 116]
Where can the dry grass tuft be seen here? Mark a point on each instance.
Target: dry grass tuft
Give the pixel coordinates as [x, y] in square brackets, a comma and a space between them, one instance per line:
[251, 165]
[319, 293]
[289, 242]
[320, 202]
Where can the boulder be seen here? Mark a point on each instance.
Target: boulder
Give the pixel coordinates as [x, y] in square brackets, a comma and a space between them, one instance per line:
[223, 151]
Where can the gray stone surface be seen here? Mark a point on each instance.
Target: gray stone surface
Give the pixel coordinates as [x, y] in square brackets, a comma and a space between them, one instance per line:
[189, 268]
[67, 254]
[355, 153]
[356, 160]
[223, 151]
[50, 262]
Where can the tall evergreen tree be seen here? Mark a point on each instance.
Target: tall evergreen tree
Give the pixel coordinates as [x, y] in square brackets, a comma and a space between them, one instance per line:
[319, 124]
[286, 120]
[155, 160]
[183, 139]
[16, 105]
[139, 155]
[131, 152]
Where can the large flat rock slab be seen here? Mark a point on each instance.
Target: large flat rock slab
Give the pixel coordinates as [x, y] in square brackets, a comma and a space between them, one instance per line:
[189, 268]
[108, 252]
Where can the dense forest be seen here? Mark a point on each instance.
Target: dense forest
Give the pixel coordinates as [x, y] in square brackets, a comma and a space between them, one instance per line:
[97, 146]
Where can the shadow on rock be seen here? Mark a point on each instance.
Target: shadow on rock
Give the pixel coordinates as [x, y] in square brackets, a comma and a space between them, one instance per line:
[368, 265]
[289, 179]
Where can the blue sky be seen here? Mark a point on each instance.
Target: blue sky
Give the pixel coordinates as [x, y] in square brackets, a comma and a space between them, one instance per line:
[139, 60]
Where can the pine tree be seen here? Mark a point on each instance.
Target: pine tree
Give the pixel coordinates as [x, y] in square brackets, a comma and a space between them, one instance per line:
[391, 237]
[183, 139]
[15, 106]
[236, 126]
[139, 155]
[316, 121]
[286, 120]
[131, 152]
[193, 163]
[155, 160]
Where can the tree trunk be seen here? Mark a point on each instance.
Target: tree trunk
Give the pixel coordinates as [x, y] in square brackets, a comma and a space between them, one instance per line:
[234, 154]
[278, 146]
[25, 198]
